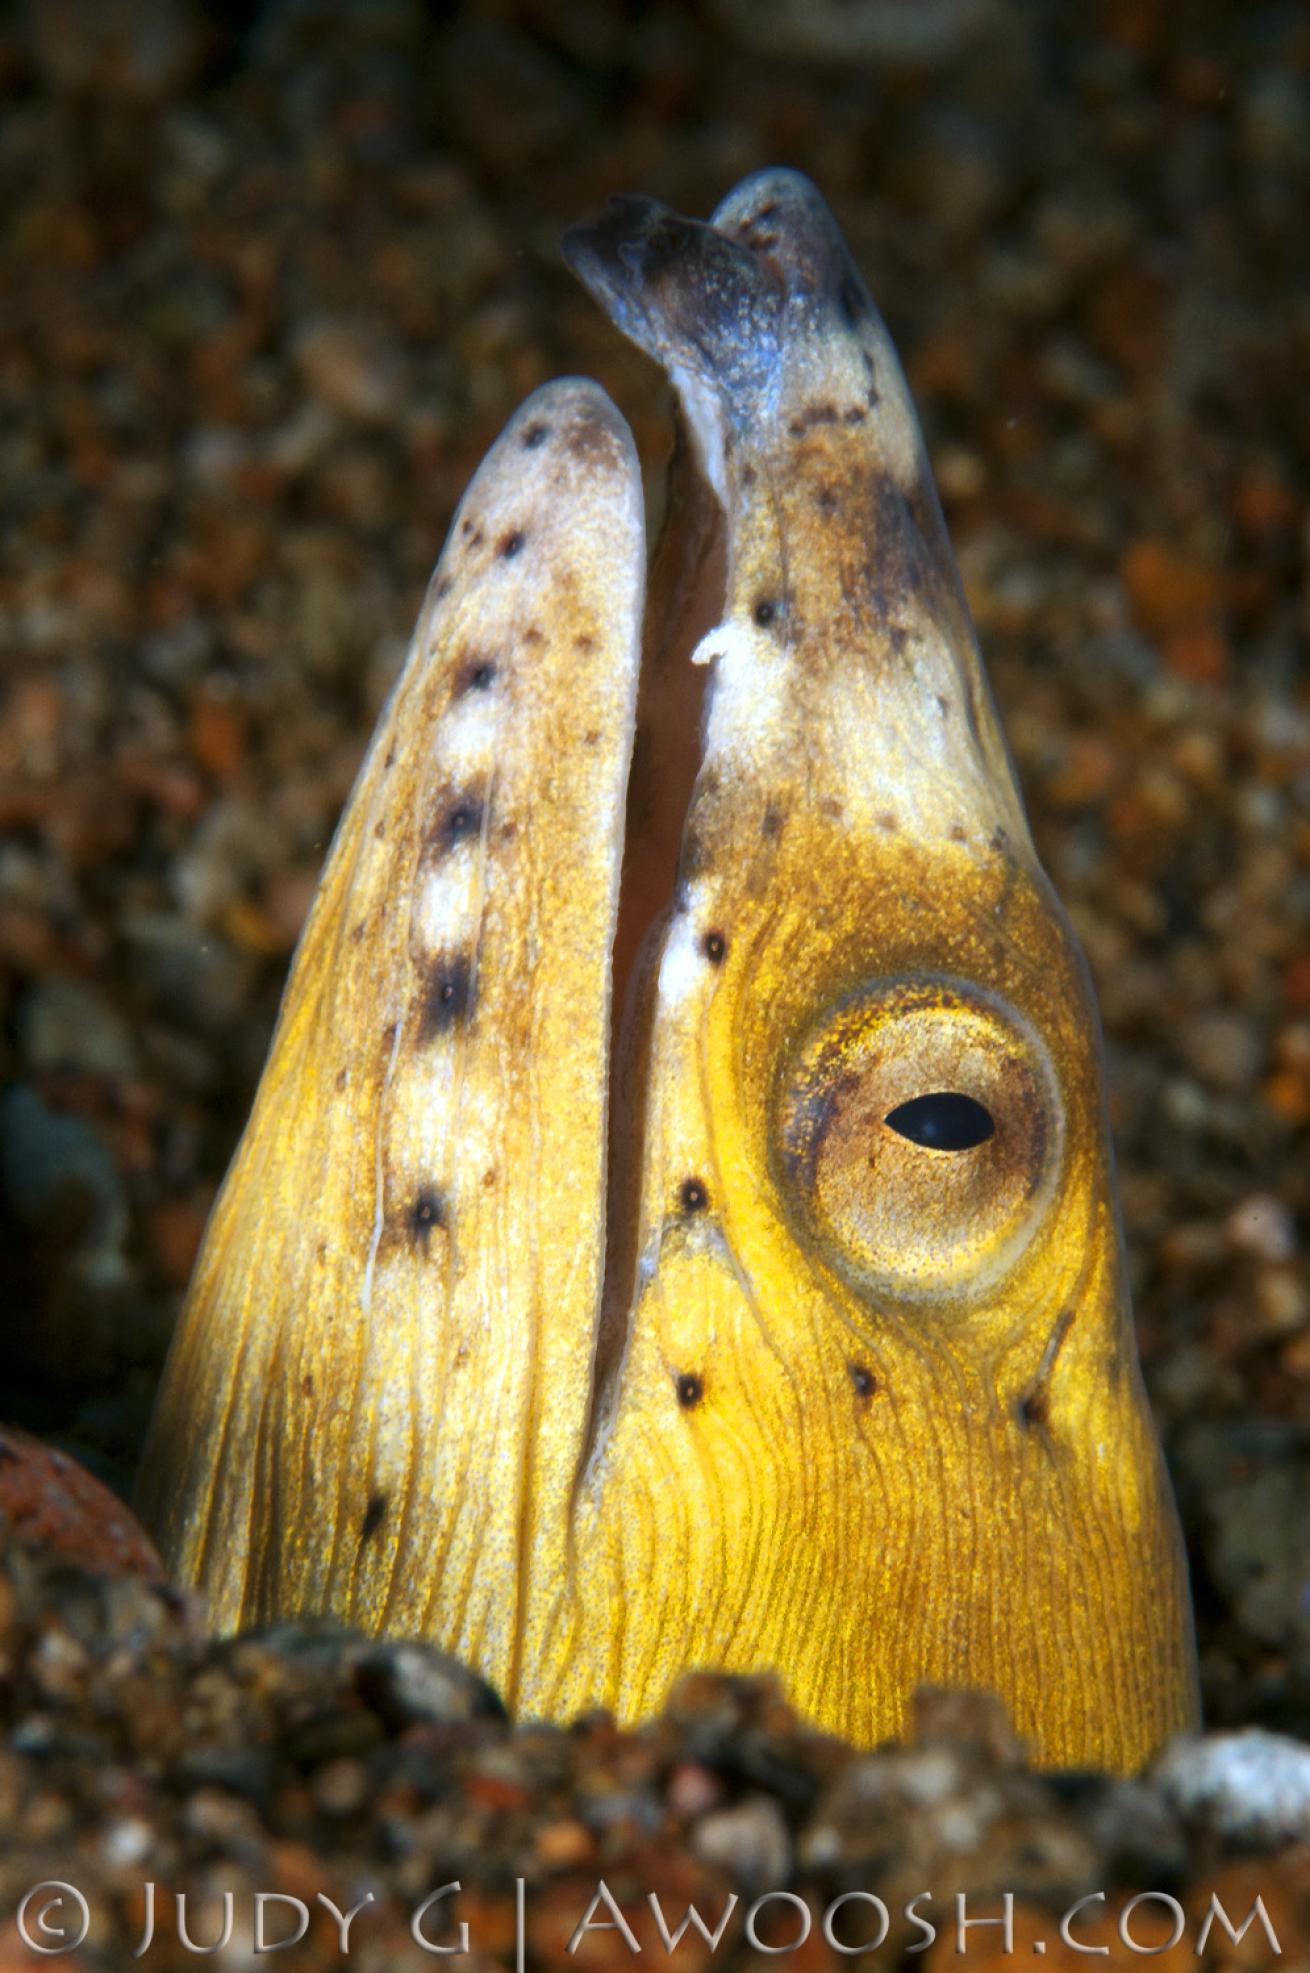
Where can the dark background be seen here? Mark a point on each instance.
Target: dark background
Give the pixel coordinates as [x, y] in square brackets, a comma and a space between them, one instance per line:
[273, 276]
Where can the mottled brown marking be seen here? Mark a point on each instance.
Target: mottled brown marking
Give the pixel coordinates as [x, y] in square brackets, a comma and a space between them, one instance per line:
[590, 440]
[374, 1515]
[812, 415]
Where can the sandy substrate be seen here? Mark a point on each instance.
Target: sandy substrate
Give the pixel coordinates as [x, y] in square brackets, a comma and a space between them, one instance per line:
[268, 293]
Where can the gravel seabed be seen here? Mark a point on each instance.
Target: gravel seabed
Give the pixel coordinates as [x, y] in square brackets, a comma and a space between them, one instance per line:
[272, 281]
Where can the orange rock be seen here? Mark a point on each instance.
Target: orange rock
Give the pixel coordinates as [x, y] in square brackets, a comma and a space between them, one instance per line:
[175, 1230]
[1168, 592]
[50, 1502]
[1198, 654]
[1263, 504]
[1088, 771]
[1289, 1094]
[1296, 982]
[218, 734]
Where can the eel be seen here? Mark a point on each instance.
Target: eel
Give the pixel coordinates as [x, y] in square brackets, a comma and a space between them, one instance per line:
[677, 1224]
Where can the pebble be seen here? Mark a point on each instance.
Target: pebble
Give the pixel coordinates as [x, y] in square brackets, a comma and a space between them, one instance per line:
[1262, 1225]
[749, 1842]
[407, 1683]
[1251, 1787]
[48, 1500]
[223, 1788]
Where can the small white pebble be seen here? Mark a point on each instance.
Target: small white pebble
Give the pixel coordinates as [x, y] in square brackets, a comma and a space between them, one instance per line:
[929, 1778]
[1252, 1785]
[1262, 1226]
[128, 1842]
[749, 1841]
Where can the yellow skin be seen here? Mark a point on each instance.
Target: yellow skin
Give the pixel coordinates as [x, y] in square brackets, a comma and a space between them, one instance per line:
[734, 1372]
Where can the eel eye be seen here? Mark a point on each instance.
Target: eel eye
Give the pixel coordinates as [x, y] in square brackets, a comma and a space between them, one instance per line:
[946, 1120]
[920, 1131]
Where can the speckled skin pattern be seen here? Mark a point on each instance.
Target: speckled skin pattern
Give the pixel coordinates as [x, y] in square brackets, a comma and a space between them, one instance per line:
[714, 1366]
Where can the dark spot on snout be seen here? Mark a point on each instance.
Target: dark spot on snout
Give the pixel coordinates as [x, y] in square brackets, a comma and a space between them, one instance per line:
[694, 1196]
[449, 996]
[511, 544]
[866, 1384]
[714, 946]
[690, 1389]
[534, 436]
[476, 675]
[766, 611]
[461, 820]
[427, 1211]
